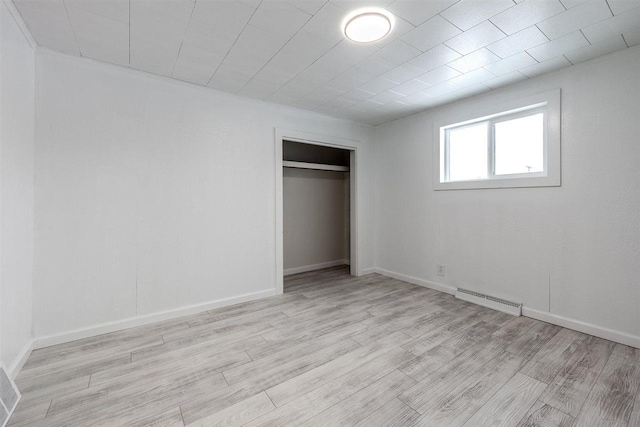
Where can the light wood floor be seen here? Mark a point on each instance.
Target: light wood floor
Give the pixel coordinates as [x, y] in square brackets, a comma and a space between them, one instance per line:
[336, 350]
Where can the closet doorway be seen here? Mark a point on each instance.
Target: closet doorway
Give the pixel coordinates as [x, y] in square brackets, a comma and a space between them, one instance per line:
[315, 205]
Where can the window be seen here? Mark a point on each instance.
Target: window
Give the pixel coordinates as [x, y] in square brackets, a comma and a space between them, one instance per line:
[517, 147]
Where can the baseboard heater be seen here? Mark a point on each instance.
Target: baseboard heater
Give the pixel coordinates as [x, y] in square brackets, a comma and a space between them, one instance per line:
[9, 396]
[488, 301]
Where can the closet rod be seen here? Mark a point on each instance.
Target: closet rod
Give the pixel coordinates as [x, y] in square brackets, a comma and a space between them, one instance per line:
[316, 166]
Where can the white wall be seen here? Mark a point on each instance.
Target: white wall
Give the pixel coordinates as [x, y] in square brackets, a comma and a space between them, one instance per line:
[315, 217]
[572, 251]
[16, 190]
[153, 195]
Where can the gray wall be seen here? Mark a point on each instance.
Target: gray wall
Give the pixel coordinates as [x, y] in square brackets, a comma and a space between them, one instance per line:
[315, 216]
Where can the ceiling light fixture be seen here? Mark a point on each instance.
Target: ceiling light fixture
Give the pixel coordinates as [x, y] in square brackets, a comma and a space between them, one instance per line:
[367, 25]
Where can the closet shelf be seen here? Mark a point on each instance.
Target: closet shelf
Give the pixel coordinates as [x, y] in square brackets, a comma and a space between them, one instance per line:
[316, 166]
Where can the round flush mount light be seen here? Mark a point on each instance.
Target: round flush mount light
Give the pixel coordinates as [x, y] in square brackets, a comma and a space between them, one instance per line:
[367, 25]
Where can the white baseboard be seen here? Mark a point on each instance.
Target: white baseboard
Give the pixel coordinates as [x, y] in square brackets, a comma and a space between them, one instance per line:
[414, 280]
[104, 328]
[580, 326]
[555, 319]
[17, 365]
[320, 266]
[368, 271]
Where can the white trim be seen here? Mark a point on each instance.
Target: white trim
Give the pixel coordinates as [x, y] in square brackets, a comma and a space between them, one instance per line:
[551, 177]
[555, 319]
[17, 365]
[416, 281]
[104, 328]
[580, 326]
[13, 11]
[327, 141]
[369, 271]
[313, 267]
[314, 166]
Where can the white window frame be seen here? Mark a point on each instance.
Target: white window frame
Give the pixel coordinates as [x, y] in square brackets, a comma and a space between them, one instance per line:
[548, 103]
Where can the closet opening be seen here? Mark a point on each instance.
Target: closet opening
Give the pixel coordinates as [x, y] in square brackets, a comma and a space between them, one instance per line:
[317, 213]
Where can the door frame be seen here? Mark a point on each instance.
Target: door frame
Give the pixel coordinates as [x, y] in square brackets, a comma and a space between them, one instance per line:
[327, 141]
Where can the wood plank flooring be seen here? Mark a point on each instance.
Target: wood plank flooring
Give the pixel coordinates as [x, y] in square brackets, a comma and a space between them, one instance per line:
[336, 350]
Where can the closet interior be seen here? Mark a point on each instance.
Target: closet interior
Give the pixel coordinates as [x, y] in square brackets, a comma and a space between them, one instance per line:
[316, 189]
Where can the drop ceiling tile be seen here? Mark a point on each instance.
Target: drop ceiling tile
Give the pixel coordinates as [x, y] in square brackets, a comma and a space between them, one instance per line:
[113, 9]
[418, 11]
[568, 4]
[326, 23]
[196, 65]
[368, 105]
[465, 92]
[49, 25]
[171, 13]
[439, 75]
[475, 38]
[357, 95]
[229, 79]
[545, 66]
[58, 44]
[474, 60]
[345, 83]
[621, 6]
[279, 17]
[377, 85]
[402, 73]
[308, 103]
[619, 24]
[302, 50]
[325, 94]
[597, 49]
[441, 89]
[473, 77]
[152, 57]
[632, 37]
[369, 68]
[313, 78]
[253, 49]
[512, 63]
[395, 53]
[309, 6]
[504, 80]
[289, 94]
[518, 42]
[214, 41]
[400, 28]
[558, 46]
[339, 103]
[230, 16]
[418, 98]
[100, 38]
[387, 97]
[159, 32]
[349, 5]
[435, 57]
[431, 33]
[526, 14]
[469, 13]
[274, 75]
[574, 19]
[409, 87]
[258, 89]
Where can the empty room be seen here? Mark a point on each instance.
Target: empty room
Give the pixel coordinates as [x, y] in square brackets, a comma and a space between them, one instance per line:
[364, 213]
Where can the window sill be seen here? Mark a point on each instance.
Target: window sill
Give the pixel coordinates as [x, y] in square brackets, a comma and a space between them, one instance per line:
[483, 184]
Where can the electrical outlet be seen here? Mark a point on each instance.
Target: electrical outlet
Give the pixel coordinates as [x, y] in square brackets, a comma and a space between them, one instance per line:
[441, 270]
